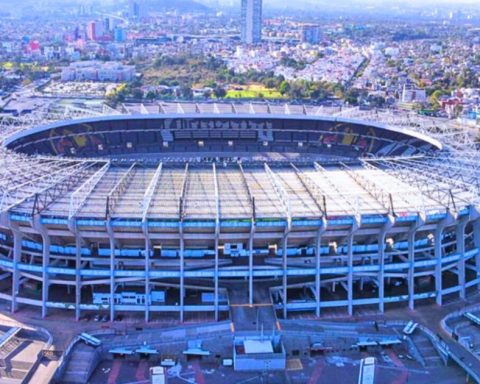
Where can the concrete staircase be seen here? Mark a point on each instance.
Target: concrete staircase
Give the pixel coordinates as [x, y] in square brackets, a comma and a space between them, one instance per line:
[81, 365]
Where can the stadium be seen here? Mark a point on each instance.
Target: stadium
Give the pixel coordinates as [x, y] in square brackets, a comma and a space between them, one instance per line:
[186, 208]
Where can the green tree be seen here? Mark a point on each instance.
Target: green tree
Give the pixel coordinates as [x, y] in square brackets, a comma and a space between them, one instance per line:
[220, 92]
[284, 87]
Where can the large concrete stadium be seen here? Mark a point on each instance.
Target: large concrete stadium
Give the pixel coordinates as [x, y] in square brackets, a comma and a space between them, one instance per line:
[171, 208]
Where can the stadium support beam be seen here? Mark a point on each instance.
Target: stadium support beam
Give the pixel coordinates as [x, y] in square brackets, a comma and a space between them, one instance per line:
[17, 256]
[182, 274]
[350, 239]
[40, 228]
[377, 193]
[78, 276]
[311, 188]
[118, 189]
[381, 261]
[285, 277]
[327, 179]
[181, 214]
[250, 263]
[353, 230]
[442, 171]
[285, 199]
[111, 236]
[147, 201]
[281, 194]
[476, 240]
[217, 236]
[422, 181]
[252, 234]
[249, 192]
[411, 268]
[35, 187]
[80, 196]
[45, 274]
[411, 259]
[148, 196]
[406, 195]
[47, 196]
[180, 109]
[147, 274]
[181, 205]
[148, 247]
[449, 220]
[460, 248]
[318, 249]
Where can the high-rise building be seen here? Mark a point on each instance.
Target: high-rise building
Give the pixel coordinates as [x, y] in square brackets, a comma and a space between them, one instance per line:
[134, 9]
[119, 35]
[311, 34]
[91, 30]
[95, 30]
[251, 21]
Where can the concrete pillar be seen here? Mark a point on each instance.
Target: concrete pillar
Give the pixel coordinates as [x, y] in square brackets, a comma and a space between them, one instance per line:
[215, 278]
[476, 240]
[78, 278]
[17, 255]
[317, 273]
[411, 269]
[250, 267]
[350, 274]
[460, 248]
[381, 271]
[438, 266]
[112, 279]
[45, 274]
[182, 279]
[285, 278]
[147, 279]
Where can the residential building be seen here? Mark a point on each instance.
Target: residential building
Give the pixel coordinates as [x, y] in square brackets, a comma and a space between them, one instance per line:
[251, 21]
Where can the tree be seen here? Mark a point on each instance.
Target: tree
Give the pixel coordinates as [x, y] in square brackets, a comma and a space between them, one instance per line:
[220, 92]
[137, 93]
[186, 92]
[435, 97]
[151, 95]
[270, 83]
[284, 87]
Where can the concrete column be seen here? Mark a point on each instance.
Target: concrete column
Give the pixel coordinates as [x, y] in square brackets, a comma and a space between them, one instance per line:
[411, 268]
[476, 240]
[45, 274]
[460, 247]
[112, 279]
[317, 273]
[17, 255]
[285, 278]
[250, 267]
[182, 278]
[438, 266]
[215, 278]
[381, 271]
[147, 279]
[78, 278]
[350, 274]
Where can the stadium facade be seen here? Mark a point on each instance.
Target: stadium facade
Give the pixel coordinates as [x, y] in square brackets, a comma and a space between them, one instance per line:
[162, 209]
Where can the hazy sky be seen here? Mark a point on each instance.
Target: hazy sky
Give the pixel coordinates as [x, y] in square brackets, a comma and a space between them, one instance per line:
[335, 4]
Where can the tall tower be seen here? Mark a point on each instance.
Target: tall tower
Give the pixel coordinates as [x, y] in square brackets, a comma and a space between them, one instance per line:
[134, 9]
[251, 21]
